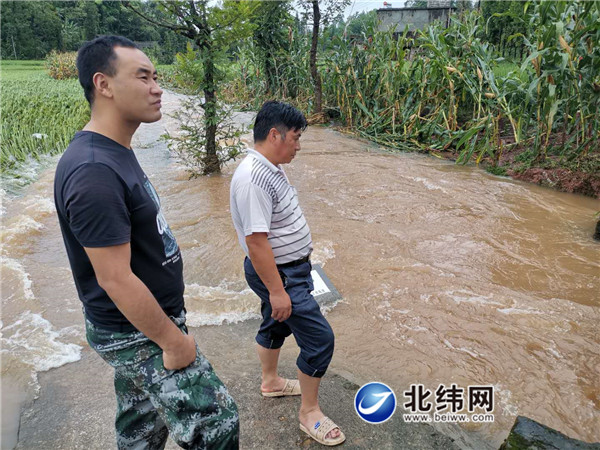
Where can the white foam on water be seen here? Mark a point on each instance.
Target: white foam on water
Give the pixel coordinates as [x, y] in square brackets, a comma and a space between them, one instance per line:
[384, 304]
[469, 298]
[194, 319]
[26, 172]
[19, 226]
[221, 292]
[322, 252]
[40, 205]
[34, 341]
[4, 199]
[429, 185]
[326, 308]
[16, 267]
[216, 305]
[508, 409]
[414, 328]
[385, 316]
[554, 352]
[518, 311]
[222, 304]
[461, 349]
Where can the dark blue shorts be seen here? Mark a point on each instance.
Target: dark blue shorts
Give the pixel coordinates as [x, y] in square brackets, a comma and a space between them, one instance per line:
[311, 330]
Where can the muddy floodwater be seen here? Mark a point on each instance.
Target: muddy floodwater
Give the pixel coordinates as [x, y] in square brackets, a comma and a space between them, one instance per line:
[448, 275]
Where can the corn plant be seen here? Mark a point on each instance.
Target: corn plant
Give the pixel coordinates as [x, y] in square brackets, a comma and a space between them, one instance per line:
[39, 116]
[564, 68]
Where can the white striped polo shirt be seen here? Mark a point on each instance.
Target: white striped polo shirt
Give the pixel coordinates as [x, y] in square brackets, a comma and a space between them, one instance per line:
[262, 200]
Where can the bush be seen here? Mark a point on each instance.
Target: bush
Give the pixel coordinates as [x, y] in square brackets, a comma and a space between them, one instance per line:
[190, 143]
[61, 66]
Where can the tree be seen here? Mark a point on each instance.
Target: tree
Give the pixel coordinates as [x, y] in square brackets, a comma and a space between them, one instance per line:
[271, 37]
[361, 23]
[332, 10]
[91, 18]
[212, 29]
[313, 57]
[29, 30]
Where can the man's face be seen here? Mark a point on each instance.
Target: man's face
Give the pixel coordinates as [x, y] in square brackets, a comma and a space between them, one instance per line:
[288, 146]
[136, 93]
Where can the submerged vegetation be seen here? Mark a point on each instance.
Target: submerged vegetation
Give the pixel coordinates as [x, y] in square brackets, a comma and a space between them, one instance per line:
[39, 114]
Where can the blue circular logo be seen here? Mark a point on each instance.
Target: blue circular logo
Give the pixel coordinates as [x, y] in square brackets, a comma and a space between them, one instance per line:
[375, 402]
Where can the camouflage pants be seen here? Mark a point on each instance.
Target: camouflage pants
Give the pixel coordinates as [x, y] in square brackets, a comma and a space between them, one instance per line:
[191, 404]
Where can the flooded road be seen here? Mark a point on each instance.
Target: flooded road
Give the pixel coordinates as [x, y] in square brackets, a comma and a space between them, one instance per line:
[449, 275]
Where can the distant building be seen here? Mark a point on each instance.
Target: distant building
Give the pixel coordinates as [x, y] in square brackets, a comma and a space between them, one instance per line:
[414, 18]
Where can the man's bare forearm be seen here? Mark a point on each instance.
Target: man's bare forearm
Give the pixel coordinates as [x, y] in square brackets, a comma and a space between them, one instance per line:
[263, 261]
[138, 305]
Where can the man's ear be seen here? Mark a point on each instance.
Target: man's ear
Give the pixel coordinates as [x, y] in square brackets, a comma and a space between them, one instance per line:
[273, 132]
[102, 85]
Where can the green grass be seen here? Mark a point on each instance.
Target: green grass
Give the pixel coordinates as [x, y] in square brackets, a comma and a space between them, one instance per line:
[22, 70]
[504, 68]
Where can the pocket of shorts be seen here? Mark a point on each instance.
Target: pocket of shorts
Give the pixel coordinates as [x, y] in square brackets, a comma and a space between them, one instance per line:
[284, 279]
[183, 392]
[311, 285]
[153, 369]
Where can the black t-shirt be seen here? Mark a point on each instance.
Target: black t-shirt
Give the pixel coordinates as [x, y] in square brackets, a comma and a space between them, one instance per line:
[103, 198]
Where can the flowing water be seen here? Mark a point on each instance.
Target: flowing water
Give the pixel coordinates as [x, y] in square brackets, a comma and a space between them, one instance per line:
[449, 275]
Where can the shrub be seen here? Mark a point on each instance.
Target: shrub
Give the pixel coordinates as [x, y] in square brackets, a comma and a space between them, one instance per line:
[61, 66]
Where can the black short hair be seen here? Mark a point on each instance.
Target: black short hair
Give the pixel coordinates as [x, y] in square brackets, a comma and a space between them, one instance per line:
[282, 116]
[98, 56]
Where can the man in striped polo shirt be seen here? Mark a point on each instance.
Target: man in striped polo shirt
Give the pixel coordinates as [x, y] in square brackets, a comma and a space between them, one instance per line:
[276, 239]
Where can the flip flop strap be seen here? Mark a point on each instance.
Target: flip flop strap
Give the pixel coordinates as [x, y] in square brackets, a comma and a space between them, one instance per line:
[289, 386]
[325, 427]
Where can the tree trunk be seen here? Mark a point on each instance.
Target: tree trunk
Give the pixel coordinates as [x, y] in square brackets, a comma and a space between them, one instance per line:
[210, 117]
[269, 78]
[313, 56]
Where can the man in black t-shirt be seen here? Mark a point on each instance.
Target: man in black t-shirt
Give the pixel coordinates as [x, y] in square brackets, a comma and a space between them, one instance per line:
[127, 265]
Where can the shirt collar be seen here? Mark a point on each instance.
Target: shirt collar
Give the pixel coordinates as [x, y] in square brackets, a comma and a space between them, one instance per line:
[264, 160]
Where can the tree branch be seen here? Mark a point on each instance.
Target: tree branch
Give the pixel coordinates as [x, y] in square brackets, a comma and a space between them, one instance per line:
[177, 28]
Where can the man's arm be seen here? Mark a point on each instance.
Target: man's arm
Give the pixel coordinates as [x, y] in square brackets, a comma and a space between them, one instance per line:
[138, 305]
[263, 261]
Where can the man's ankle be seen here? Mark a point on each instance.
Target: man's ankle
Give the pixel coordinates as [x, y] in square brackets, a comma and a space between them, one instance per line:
[305, 411]
[268, 380]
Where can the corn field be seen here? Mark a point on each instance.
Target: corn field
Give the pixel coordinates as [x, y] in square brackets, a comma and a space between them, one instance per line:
[39, 116]
[439, 89]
